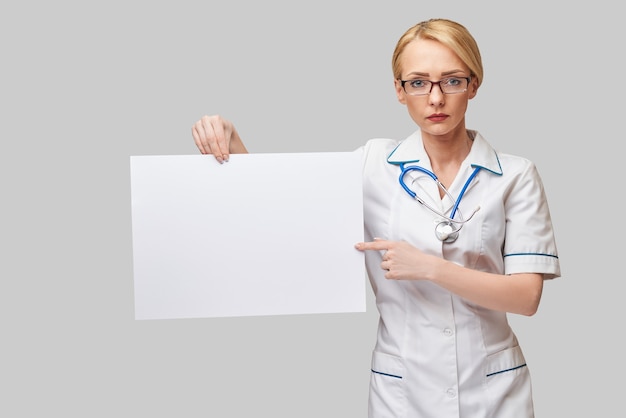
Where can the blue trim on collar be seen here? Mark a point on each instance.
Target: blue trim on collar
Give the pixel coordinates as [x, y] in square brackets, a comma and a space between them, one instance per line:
[491, 171]
[399, 162]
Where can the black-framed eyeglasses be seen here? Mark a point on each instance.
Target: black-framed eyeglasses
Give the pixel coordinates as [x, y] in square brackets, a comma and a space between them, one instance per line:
[448, 85]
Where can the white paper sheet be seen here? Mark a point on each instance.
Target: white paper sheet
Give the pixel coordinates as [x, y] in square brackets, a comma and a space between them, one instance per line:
[264, 234]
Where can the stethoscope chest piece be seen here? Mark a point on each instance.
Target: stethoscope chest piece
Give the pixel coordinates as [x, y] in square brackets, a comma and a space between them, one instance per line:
[446, 232]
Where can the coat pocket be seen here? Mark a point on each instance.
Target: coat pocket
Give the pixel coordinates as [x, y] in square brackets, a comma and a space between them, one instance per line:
[387, 396]
[505, 361]
[508, 383]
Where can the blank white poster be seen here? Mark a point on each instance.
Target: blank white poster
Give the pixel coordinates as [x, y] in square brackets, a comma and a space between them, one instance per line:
[263, 234]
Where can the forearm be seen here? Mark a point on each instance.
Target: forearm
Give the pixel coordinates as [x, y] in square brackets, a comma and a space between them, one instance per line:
[516, 293]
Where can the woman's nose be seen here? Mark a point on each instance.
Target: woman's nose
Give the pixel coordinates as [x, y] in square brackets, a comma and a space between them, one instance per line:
[436, 95]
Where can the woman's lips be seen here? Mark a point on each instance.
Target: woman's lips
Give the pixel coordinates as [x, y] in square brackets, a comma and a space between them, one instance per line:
[437, 117]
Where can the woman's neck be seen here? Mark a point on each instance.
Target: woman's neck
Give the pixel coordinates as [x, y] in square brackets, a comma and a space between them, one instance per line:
[446, 153]
[447, 149]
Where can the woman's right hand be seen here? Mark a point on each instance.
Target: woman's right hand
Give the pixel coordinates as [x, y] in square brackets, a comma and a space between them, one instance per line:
[218, 136]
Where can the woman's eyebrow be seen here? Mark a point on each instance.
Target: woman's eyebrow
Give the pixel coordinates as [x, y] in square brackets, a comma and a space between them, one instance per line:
[453, 72]
[420, 74]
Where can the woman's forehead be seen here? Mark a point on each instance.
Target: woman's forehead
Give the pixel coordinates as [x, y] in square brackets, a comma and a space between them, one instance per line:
[429, 57]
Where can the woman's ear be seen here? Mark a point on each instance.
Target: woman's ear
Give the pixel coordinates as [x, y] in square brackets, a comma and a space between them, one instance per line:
[473, 87]
[399, 91]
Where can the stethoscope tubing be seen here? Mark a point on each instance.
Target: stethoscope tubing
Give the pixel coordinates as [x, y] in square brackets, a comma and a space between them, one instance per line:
[457, 201]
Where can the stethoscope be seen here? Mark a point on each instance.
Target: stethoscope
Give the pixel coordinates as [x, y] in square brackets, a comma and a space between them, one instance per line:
[448, 229]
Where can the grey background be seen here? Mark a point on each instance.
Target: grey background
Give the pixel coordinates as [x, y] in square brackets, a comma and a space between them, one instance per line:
[85, 85]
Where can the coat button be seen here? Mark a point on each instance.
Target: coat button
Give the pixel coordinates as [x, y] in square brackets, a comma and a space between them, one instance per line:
[447, 332]
[451, 393]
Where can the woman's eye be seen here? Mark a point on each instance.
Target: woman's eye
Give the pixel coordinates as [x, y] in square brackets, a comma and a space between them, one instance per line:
[417, 84]
[452, 81]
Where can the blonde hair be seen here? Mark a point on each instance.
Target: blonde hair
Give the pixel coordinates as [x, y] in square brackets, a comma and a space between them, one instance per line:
[451, 34]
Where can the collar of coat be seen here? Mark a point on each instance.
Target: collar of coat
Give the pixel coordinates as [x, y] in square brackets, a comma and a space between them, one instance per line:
[412, 151]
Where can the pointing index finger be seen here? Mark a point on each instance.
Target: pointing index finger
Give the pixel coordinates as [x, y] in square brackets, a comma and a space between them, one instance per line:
[378, 244]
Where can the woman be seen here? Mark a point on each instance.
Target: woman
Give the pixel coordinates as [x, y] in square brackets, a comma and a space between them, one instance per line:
[463, 238]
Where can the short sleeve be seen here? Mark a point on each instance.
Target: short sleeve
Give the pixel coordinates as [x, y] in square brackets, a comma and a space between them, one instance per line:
[530, 245]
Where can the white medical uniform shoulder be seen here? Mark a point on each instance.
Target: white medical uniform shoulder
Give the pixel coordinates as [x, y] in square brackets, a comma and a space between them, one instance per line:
[376, 147]
[376, 151]
[530, 245]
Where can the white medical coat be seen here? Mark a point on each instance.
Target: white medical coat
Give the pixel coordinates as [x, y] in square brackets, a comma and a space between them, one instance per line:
[437, 354]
